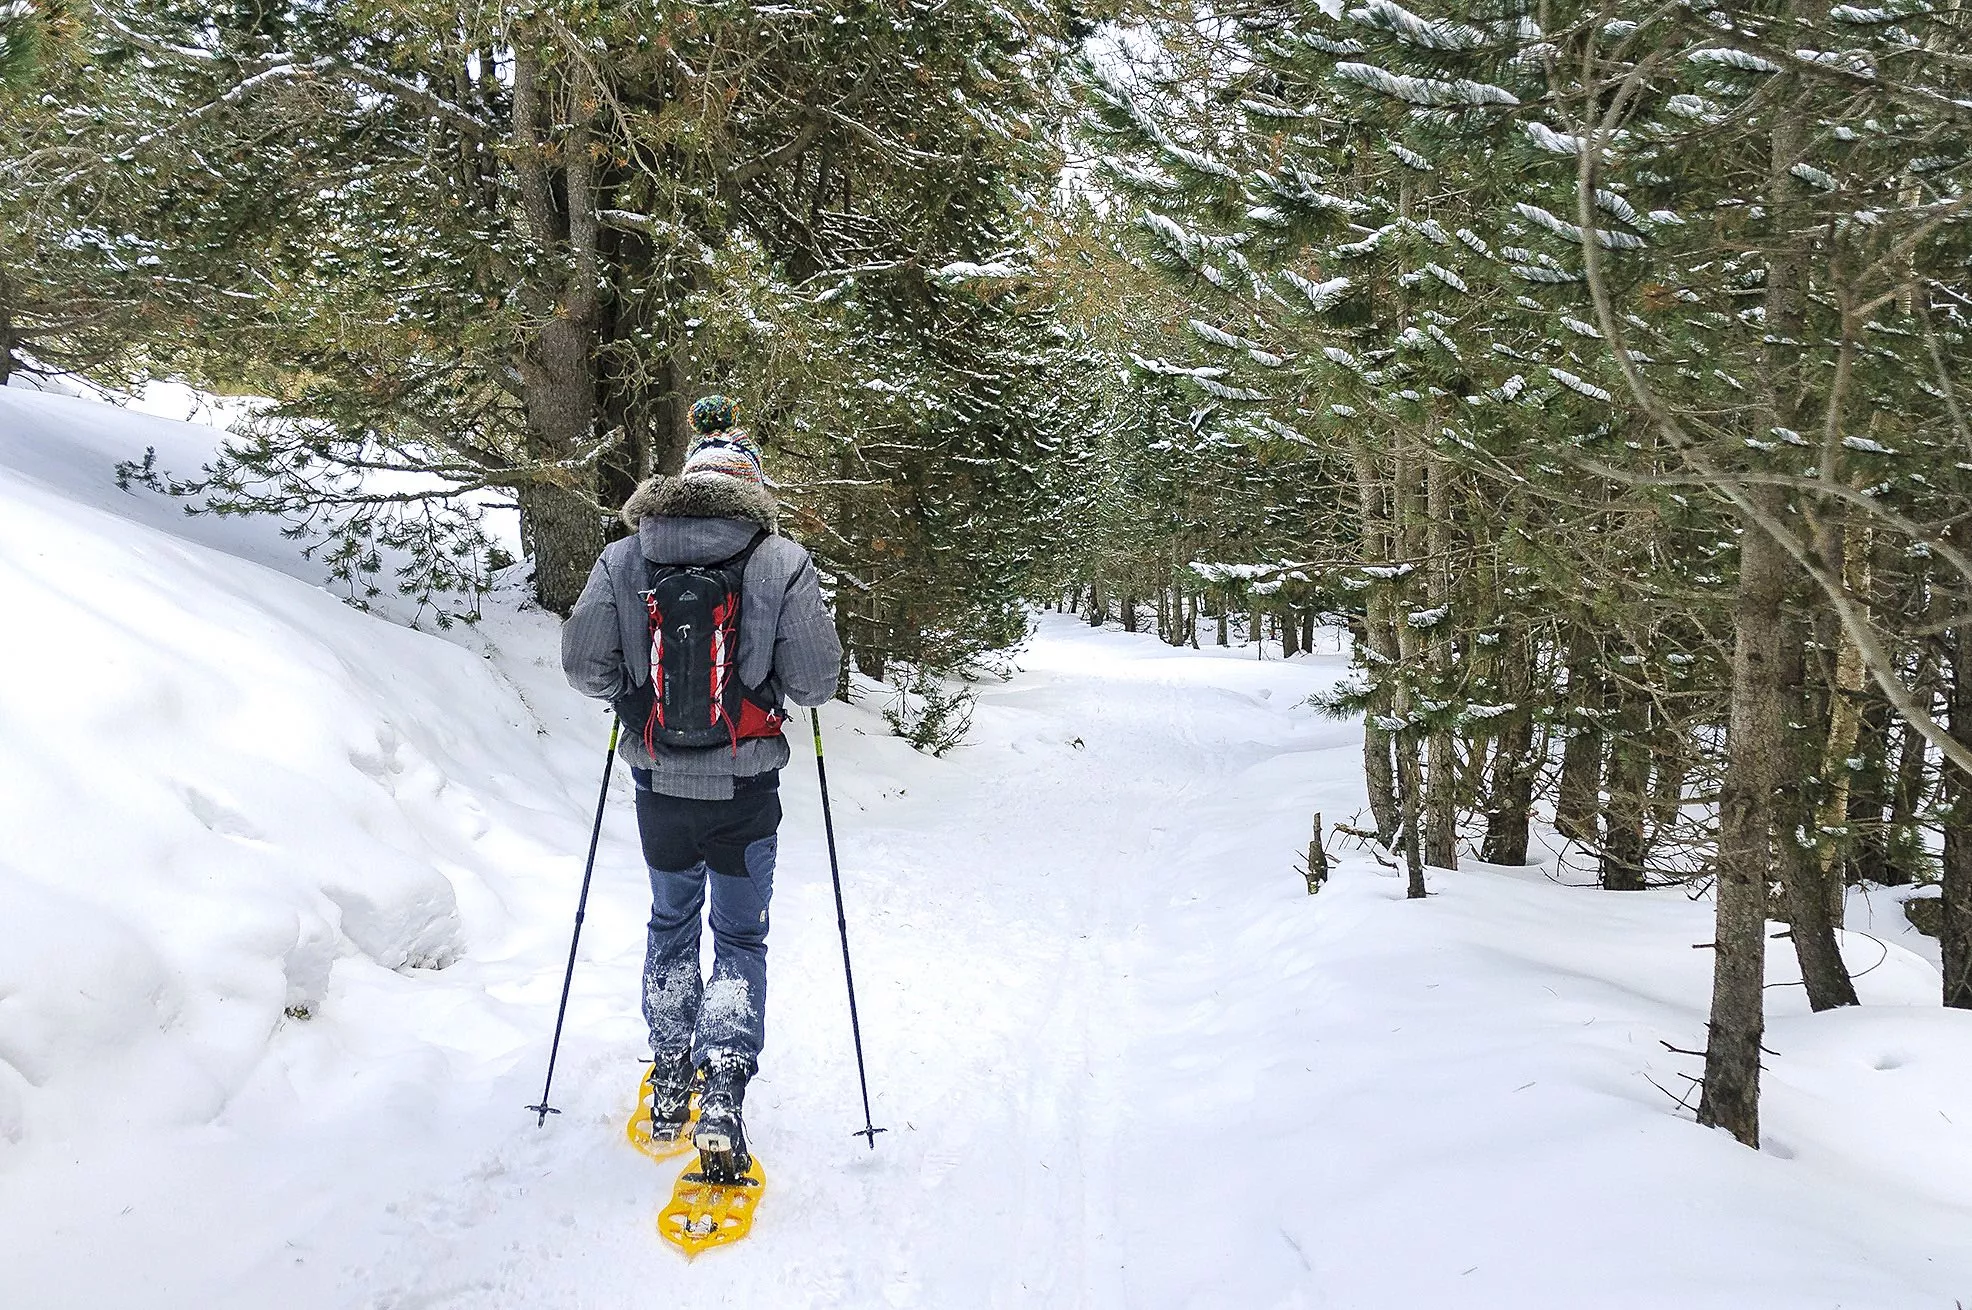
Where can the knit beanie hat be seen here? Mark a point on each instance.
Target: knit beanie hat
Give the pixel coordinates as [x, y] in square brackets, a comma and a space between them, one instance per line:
[728, 454]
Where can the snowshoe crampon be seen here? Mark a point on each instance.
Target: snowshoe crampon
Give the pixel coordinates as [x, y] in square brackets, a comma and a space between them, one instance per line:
[711, 1207]
[658, 1146]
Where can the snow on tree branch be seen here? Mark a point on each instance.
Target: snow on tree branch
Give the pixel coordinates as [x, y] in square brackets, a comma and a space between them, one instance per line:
[1607, 239]
[1431, 34]
[1425, 90]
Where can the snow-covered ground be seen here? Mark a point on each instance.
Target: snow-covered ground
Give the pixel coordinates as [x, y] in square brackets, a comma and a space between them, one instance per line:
[1125, 1059]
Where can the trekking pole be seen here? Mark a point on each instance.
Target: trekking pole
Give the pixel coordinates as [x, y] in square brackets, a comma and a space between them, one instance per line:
[543, 1110]
[869, 1128]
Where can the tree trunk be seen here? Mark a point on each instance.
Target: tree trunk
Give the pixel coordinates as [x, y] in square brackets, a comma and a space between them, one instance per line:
[1903, 842]
[1955, 937]
[1755, 746]
[1410, 787]
[1627, 780]
[1290, 632]
[1844, 717]
[557, 366]
[8, 342]
[1812, 920]
[1098, 607]
[1577, 795]
[1129, 608]
[1511, 788]
[1441, 782]
[1441, 802]
[1867, 855]
[1670, 757]
[565, 532]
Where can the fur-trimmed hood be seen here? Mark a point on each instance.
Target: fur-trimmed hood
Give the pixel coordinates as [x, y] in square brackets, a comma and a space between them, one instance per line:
[701, 498]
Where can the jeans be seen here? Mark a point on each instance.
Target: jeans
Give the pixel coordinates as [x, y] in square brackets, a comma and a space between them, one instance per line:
[730, 846]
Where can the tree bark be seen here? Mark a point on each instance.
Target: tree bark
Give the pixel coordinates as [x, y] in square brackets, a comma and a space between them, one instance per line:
[8, 342]
[1812, 920]
[1627, 780]
[1756, 744]
[1903, 843]
[1410, 786]
[1955, 937]
[565, 532]
[1379, 650]
[1512, 791]
[557, 365]
[1441, 780]
[1844, 717]
[1670, 762]
[1577, 793]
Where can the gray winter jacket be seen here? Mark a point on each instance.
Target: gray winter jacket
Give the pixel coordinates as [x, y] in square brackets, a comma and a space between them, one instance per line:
[788, 648]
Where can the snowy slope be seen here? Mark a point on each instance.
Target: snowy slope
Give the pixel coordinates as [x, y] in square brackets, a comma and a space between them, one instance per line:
[1125, 1060]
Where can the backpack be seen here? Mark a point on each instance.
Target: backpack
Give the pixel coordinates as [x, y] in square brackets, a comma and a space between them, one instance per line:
[695, 698]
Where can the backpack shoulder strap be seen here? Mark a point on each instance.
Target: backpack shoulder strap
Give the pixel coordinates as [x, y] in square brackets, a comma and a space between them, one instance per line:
[746, 552]
[655, 571]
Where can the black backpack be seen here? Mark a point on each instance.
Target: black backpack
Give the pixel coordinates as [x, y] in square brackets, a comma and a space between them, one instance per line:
[695, 698]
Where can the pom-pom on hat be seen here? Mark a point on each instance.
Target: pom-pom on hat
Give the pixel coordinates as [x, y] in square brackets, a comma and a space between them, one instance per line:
[713, 414]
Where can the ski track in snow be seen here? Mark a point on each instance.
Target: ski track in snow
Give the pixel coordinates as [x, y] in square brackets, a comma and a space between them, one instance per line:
[1124, 1060]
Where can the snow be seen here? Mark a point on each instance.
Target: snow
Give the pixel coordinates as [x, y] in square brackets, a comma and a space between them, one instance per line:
[1729, 57]
[1425, 90]
[1124, 1058]
[1546, 138]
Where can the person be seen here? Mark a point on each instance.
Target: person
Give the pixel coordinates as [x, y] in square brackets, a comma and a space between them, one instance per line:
[653, 634]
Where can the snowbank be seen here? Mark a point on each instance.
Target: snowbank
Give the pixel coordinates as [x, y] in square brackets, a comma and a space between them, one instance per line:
[220, 781]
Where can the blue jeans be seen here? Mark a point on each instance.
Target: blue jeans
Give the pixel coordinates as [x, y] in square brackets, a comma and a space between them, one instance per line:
[730, 845]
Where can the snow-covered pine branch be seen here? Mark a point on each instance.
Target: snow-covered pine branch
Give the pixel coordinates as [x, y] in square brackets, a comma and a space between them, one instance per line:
[1727, 57]
[1430, 34]
[1609, 240]
[1323, 296]
[1425, 90]
[1220, 337]
[1546, 138]
[1449, 278]
[1579, 385]
[1409, 158]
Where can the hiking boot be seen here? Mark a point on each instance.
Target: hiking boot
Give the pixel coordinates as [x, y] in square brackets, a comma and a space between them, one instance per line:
[672, 1082]
[721, 1135]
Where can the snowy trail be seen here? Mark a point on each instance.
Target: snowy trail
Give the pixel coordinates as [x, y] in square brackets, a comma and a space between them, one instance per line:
[1000, 984]
[1124, 1059]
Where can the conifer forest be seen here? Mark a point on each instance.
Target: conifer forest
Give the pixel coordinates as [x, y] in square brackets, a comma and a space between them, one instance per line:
[1600, 373]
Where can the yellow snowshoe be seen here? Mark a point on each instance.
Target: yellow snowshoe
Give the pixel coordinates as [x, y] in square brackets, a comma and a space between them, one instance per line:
[659, 1141]
[707, 1210]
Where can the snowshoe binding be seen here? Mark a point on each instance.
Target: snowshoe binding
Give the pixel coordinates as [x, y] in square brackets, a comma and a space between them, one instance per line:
[665, 1106]
[713, 1204]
